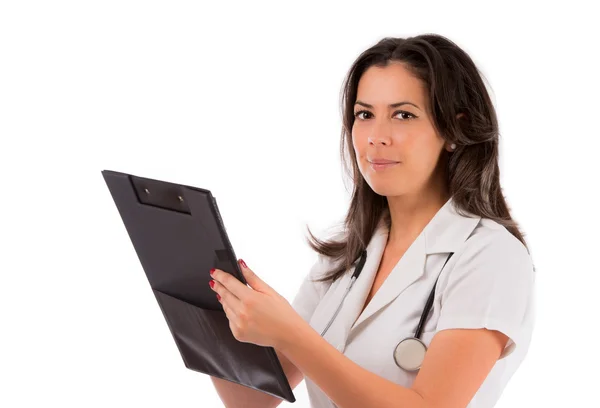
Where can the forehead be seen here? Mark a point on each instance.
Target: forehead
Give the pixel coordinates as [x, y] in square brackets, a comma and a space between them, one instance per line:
[393, 83]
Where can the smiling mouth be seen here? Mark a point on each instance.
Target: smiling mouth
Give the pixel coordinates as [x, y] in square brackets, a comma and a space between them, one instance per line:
[382, 166]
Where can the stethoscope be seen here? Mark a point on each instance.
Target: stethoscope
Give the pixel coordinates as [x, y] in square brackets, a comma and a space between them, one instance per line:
[410, 352]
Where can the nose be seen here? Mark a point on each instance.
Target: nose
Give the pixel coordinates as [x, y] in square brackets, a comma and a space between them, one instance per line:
[380, 134]
[379, 139]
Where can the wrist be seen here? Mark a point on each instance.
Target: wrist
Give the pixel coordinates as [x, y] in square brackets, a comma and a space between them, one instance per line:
[292, 334]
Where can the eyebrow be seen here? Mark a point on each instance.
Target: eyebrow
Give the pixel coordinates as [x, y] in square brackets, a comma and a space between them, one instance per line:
[391, 105]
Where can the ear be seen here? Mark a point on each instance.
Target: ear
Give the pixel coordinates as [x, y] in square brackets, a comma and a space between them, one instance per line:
[450, 146]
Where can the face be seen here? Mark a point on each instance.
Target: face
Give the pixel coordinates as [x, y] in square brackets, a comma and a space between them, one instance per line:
[403, 133]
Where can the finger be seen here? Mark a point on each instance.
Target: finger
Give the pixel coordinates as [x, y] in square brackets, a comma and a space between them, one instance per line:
[231, 316]
[231, 283]
[232, 319]
[228, 298]
[253, 280]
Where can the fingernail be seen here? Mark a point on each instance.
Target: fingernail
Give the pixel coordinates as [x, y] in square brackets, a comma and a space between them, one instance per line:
[212, 271]
[218, 297]
[212, 284]
[243, 263]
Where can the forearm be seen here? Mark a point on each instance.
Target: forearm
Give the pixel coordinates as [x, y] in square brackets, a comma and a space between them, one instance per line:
[237, 396]
[346, 383]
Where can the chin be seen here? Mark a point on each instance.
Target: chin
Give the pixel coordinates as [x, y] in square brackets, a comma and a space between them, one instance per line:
[386, 189]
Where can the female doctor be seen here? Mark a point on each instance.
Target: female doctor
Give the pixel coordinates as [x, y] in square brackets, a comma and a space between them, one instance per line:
[425, 298]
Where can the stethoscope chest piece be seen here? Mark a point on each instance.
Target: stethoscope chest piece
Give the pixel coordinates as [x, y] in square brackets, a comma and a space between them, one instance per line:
[410, 353]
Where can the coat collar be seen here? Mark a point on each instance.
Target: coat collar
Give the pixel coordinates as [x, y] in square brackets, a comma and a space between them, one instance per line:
[444, 233]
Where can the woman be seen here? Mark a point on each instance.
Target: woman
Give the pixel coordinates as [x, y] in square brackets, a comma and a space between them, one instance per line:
[428, 208]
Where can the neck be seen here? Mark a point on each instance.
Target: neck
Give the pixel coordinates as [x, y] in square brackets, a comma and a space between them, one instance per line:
[411, 213]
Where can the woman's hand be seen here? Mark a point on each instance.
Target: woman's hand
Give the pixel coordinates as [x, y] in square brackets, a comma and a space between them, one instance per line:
[257, 313]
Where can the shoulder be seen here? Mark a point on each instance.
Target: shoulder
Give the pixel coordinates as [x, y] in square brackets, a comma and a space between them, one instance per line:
[311, 290]
[490, 285]
[492, 256]
[323, 264]
[490, 241]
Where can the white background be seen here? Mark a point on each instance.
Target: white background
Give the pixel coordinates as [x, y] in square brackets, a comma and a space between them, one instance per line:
[243, 99]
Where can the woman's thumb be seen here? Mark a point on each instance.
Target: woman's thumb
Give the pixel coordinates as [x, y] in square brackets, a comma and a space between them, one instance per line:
[253, 280]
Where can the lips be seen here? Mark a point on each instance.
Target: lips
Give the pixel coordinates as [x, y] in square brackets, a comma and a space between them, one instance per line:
[381, 161]
[382, 166]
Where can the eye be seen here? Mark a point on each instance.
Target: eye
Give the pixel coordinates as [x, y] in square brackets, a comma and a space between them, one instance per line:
[356, 115]
[407, 116]
[410, 115]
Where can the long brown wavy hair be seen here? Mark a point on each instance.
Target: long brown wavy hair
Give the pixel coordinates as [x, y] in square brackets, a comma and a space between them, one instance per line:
[455, 86]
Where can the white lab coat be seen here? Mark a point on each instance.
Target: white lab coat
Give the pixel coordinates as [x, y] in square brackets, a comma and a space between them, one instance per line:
[487, 283]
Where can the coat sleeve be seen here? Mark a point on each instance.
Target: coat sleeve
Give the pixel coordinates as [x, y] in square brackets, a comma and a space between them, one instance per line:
[310, 293]
[491, 286]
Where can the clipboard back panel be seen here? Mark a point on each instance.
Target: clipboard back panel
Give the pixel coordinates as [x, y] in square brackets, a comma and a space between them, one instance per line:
[178, 235]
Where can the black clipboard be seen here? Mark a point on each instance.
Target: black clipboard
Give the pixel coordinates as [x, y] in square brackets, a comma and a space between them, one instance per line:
[178, 235]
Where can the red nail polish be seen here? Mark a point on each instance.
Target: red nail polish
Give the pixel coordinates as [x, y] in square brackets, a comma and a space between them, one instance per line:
[212, 284]
[243, 263]
[212, 271]
[218, 297]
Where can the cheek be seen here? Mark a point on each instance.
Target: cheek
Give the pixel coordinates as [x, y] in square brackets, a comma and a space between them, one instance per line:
[359, 143]
[356, 143]
[423, 154]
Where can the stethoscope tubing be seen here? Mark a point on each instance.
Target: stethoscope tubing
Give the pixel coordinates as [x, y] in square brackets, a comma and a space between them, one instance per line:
[355, 275]
[339, 306]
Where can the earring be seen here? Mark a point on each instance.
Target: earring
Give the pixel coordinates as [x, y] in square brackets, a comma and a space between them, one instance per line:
[453, 146]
